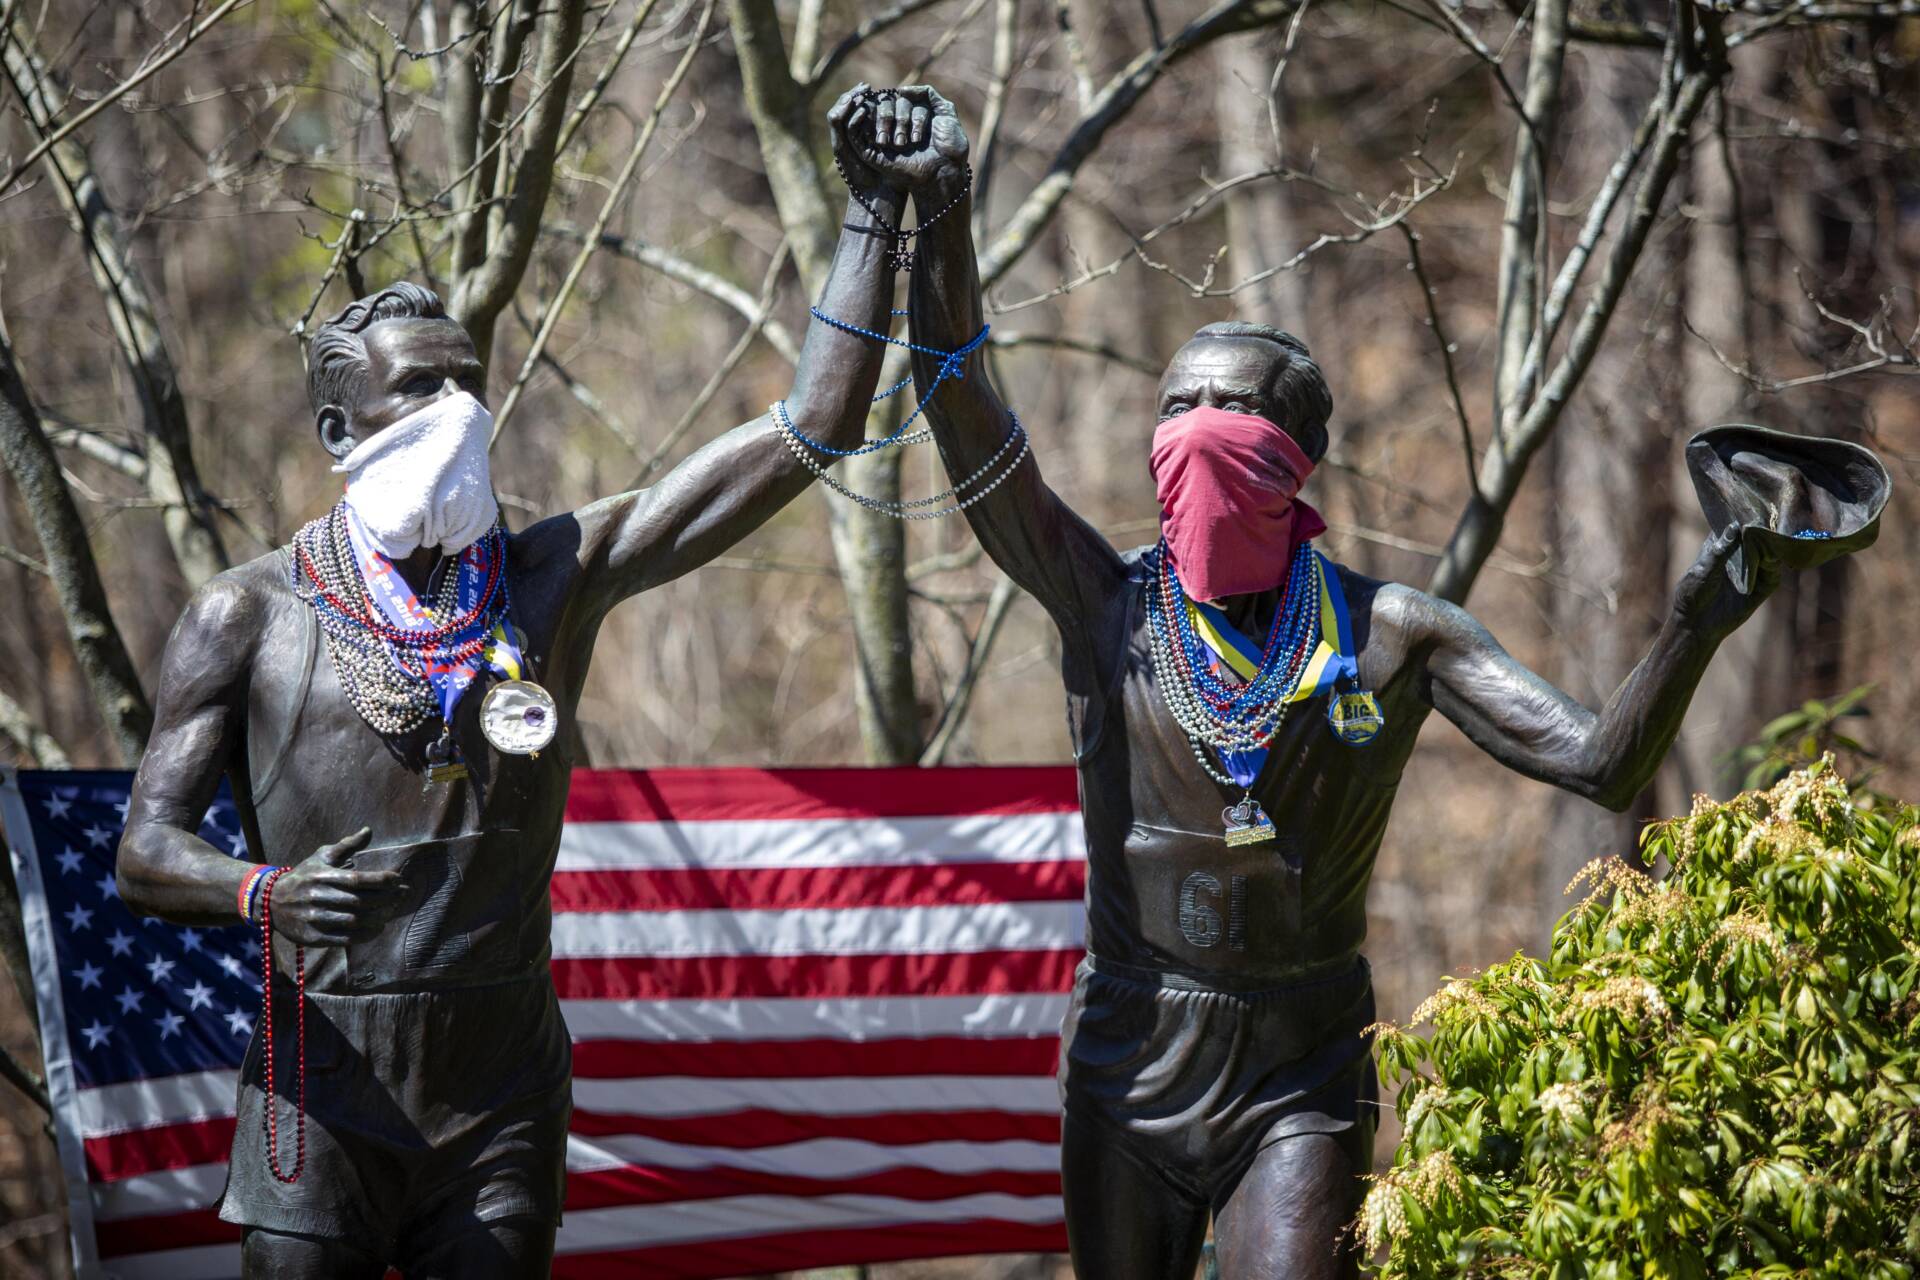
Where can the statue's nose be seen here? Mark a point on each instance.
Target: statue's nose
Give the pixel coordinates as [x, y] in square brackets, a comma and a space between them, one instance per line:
[448, 387]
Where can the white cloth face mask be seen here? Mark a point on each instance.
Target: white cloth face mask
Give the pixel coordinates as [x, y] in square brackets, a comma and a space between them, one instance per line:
[423, 482]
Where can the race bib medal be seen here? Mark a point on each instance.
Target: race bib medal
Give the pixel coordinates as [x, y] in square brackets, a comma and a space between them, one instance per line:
[402, 660]
[1308, 652]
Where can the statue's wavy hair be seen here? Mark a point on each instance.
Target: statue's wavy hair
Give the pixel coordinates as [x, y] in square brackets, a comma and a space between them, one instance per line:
[337, 352]
[1305, 404]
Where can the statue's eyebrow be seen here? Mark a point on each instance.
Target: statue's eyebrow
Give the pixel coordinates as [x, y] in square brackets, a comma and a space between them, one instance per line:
[407, 368]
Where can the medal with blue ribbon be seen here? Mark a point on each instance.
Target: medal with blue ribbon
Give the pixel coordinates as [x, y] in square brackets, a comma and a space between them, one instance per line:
[526, 716]
[1352, 712]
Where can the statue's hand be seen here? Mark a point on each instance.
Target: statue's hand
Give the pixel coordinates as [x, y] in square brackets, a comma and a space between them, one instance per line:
[1708, 602]
[854, 111]
[914, 140]
[324, 902]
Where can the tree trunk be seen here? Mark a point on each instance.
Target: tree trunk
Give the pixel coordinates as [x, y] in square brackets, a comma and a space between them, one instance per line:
[1609, 471]
[63, 538]
[869, 548]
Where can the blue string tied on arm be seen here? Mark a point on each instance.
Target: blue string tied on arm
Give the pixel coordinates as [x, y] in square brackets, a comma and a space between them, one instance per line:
[952, 365]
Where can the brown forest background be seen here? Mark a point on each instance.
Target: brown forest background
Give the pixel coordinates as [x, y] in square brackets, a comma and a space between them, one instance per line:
[1358, 172]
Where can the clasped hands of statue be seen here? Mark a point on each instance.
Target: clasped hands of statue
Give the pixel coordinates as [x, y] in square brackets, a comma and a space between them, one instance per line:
[900, 142]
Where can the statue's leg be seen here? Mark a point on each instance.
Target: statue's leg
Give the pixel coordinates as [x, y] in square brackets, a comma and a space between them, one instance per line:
[1124, 1220]
[1289, 1214]
[504, 1249]
[274, 1255]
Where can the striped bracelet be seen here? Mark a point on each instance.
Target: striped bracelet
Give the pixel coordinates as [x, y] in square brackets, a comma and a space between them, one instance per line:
[249, 888]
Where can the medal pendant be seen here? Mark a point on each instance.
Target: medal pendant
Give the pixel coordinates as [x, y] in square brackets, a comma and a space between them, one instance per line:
[1246, 823]
[519, 717]
[443, 766]
[1355, 717]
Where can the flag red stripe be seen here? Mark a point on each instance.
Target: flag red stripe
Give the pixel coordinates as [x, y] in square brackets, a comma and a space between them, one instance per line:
[643, 1184]
[754, 1127]
[799, 1059]
[772, 888]
[750, 795]
[167, 1146]
[164, 1231]
[975, 973]
[758, 1255]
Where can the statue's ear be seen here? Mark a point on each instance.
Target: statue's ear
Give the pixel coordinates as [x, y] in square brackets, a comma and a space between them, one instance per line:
[336, 437]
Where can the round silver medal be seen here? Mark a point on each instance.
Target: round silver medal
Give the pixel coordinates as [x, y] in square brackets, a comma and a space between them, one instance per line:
[519, 717]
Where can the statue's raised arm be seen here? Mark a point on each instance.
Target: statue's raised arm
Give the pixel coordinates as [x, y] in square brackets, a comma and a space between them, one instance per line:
[915, 142]
[1774, 502]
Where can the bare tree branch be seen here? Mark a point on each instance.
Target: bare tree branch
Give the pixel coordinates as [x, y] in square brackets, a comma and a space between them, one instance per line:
[550, 315]
[1522, 241]
[17, 723]
[482, 295]
[172, 477]
[29, 456]
[867, 30]
[1506, 459]
[1110, 106]
[718, 379]
[1006, 20]
[674, 267]
[960, 701]
[151, 67]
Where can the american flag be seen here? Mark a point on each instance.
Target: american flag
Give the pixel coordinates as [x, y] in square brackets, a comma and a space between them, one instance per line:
[815, 1016]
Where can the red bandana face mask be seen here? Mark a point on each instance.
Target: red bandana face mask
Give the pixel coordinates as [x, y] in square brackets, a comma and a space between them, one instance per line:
[1226, 484]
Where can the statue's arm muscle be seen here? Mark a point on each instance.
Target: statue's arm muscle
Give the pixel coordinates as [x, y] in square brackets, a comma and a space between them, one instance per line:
[1536, 729]
[728, 488]
[164, 867]
[1039, 541]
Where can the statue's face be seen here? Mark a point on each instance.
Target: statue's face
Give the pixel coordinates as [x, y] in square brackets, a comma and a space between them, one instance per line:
[410, 364]
[1234, 374]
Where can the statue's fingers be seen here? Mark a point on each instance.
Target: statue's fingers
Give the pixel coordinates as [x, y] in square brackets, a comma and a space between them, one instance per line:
[902, 124]
[883, 122]
[919, 125]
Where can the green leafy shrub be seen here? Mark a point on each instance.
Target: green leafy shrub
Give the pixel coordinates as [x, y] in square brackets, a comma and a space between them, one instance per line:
[1718, 1074]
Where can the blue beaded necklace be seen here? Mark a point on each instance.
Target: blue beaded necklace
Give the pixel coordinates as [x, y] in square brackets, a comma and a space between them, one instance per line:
[952, 365]
[1280, 671]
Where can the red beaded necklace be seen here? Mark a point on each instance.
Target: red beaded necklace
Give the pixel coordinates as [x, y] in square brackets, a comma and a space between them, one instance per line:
[271, 1116]
[364, 614]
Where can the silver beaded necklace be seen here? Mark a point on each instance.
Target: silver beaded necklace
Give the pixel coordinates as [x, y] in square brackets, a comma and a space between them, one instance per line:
[388, 691]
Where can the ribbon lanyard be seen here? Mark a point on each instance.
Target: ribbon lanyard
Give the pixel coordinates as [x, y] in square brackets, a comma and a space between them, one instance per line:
[1330, 667]
[449, 677]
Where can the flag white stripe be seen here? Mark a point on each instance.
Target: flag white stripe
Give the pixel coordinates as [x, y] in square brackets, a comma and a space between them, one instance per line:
[993, 926]
[733, 1217]
[785, 1018]
[199, 1186]
[842, 1096]
[815, 1157]
[194, 1263]
[821, 842]
[144, 1104]
[169, 1191]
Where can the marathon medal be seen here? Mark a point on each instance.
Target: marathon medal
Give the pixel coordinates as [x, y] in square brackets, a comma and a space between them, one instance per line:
[519, 718]
[1246, 823]
[443, 762]
[1355, 717]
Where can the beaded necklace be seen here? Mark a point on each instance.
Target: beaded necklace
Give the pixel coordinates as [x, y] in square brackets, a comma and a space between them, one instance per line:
[1228, 718]
[952, 365]
[383, 669]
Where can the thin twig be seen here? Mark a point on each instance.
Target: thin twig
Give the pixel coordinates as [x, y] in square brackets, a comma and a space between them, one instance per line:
[961, 699]
[550, 316]
[720, 375]
[54, 137]
[1446, 345]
